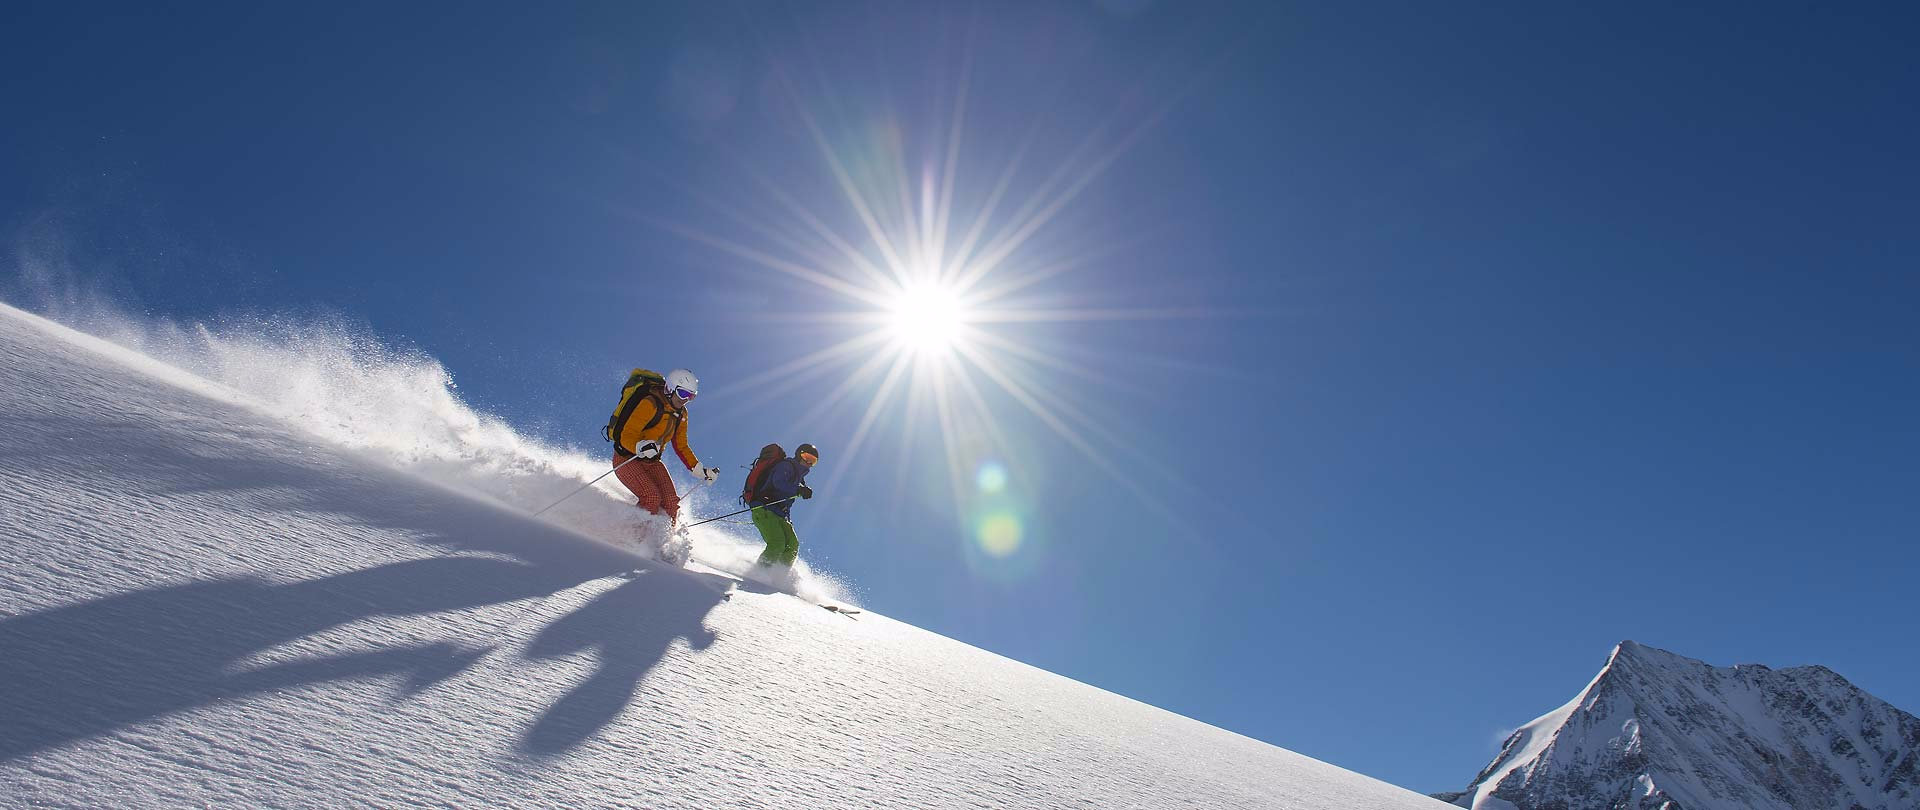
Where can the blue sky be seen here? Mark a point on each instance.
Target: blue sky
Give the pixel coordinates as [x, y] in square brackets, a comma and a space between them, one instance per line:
[1373, 369]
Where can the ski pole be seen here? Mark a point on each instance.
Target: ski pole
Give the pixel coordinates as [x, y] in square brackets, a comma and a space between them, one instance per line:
[731, 514]
[596, 480]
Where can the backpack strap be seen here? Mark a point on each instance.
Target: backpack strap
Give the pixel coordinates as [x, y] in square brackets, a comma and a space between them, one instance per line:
[662, 409]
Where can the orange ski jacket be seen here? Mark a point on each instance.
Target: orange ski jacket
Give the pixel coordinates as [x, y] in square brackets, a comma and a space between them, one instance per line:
[656, 421]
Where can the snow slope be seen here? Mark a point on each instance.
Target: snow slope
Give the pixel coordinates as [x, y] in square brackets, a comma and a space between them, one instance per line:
[201, 605]
[1658, 731]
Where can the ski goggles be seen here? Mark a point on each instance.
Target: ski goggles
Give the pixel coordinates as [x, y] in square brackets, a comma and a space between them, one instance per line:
[683, 394]
[810, 459]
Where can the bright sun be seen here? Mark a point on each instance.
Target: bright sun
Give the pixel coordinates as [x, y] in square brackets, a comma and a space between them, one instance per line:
[926, 318]
[927, 297]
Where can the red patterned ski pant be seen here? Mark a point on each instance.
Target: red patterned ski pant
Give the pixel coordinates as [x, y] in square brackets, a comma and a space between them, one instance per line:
[648, 480]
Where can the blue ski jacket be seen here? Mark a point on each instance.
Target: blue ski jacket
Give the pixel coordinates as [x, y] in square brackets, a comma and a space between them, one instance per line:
[783, 481]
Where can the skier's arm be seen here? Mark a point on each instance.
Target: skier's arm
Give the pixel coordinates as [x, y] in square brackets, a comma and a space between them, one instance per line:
[633, 435]
[680, 445]
[780, 483]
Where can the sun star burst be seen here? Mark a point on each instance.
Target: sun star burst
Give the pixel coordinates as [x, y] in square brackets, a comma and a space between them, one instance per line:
[927, 318]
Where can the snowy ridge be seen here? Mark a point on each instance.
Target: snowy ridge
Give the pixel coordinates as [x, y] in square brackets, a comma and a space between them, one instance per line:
[1657, 731]
[202, 606]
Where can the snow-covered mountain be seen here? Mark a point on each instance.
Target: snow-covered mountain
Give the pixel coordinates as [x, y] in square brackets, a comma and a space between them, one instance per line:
[304, 576]
[1657, 731]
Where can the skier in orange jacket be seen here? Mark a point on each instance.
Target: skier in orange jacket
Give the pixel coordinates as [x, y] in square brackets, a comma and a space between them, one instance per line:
[652, 414]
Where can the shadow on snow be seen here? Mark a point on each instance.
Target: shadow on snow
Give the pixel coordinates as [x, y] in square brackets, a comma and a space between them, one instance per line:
[629, 628]
[85, 669]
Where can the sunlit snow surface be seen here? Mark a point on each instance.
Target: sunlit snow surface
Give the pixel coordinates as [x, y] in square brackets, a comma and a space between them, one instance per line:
[200, 606]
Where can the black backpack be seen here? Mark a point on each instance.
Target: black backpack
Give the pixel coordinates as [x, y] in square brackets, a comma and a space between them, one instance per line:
[757, 477]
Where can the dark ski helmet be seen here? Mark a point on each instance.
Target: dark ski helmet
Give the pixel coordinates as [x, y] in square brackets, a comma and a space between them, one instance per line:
[807, 450]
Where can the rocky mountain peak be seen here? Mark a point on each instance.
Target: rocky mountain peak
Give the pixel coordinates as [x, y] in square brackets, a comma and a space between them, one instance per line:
[1655, 730]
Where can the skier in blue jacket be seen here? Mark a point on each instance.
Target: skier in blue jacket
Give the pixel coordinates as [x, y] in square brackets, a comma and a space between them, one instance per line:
[773, 505]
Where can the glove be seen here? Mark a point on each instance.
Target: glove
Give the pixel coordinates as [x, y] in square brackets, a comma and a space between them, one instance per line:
[805, 492]
[706, 473]
[646, 449]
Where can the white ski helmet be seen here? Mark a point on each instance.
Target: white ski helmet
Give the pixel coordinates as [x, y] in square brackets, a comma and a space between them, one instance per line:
[681, 383]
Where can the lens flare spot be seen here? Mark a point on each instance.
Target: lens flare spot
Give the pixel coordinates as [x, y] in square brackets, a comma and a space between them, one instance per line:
[991, 479]
[999, 534]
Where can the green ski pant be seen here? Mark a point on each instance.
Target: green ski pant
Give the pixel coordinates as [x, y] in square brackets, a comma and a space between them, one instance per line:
[783, 546]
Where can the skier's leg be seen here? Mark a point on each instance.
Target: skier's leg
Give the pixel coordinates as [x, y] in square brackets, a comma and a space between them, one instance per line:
[792, 542]
[638, 481]
[769, 525]
[663, 484]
